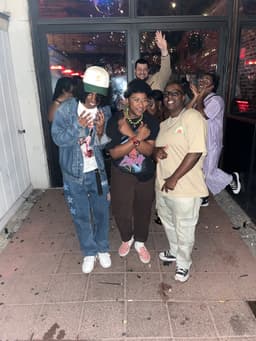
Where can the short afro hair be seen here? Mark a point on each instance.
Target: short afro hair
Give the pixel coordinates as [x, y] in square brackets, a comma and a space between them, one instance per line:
[137, 86]
[215, 79]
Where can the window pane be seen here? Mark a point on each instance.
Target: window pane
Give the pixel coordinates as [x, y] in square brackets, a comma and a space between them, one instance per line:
[246, 76]
[82, 8]
[248, 7]
[71, 54]
[190, 51]
[181, 7]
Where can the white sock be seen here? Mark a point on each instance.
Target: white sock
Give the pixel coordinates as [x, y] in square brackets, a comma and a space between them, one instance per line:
[138, 245]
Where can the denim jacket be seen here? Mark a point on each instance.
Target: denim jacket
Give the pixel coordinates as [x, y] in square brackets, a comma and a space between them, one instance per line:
[66, 132]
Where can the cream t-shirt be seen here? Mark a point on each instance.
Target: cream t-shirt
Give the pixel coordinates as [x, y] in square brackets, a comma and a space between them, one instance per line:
[183, 134]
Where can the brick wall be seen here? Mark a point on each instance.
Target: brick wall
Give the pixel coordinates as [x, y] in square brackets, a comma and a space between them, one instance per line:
[246, 77]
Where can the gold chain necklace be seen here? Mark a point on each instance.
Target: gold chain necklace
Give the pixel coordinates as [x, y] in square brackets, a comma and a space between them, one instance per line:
[131, 121]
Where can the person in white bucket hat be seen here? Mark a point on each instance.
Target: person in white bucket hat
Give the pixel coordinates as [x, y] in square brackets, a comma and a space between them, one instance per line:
[78, 129]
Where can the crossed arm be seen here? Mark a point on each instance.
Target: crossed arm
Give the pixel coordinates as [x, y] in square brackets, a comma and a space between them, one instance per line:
[145, 147]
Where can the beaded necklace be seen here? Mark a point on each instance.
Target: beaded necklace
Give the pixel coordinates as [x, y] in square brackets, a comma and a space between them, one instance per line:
[131, 121]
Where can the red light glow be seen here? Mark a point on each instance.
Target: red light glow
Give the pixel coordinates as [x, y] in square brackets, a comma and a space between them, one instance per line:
[76, 74]
[57, 67]
[242, 105]
[67, 71]
[250, 62]
[242, 53]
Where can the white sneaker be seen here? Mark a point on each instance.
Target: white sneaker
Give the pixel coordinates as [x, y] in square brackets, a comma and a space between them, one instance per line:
[88, 264]
[181, 275]
[235, 183]
[104, 259]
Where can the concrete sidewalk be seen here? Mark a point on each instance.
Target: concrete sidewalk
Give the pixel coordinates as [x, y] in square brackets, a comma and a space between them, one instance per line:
[45, 296]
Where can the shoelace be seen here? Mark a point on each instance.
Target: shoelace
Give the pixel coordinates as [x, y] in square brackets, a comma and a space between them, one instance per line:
[233, 185]
[181, 271]
[167, 253]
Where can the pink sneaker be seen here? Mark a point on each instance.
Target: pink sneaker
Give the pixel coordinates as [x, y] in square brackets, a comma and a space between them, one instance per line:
[125, 247]
[143, 252]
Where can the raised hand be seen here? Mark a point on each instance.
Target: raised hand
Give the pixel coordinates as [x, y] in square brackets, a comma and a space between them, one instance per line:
[161, 42]
[194, 89]
[85, 120]
[205, 90]
[99, 123]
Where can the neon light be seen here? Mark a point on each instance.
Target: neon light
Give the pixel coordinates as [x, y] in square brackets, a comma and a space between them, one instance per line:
[76, 74]
[242, 105]
[67, 71]
[250, 62]
[56, 67]
[242, 53]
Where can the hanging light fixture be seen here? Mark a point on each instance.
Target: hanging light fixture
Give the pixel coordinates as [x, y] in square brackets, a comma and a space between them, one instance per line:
[173, 4]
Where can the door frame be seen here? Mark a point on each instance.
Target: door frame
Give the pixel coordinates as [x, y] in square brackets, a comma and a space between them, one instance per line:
[132, 25]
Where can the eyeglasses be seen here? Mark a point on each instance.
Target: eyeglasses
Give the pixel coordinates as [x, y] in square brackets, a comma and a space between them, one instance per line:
[176, 93]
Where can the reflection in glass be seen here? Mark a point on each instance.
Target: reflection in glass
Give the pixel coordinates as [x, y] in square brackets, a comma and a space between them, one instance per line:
[71, 54]
[246, 75]
[190, 51]
[247, 7]
[181, 7]
[82, 8]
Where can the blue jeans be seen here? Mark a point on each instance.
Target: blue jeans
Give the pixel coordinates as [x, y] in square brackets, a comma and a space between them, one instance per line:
[90, 212]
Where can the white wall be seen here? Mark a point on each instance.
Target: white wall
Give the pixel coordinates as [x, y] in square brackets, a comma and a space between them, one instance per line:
[25, 77]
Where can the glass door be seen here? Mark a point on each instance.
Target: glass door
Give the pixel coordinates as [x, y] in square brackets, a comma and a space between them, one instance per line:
[191, 51]
[116, 47]
[71, 53]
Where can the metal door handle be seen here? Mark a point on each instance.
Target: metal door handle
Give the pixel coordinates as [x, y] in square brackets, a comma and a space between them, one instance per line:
[21, 131]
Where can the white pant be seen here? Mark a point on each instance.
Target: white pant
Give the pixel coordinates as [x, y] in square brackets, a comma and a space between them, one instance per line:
[179, 217]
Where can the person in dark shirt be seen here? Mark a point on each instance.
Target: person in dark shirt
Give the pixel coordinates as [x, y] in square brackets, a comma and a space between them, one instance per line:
[155, 106]
[133, 133]
[63, 91]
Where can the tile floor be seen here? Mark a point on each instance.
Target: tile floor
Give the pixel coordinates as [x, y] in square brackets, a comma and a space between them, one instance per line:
[45, 296]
